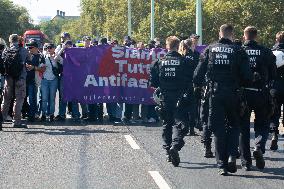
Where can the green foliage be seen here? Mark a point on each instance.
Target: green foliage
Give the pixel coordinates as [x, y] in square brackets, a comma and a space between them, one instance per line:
[52, 29]
[172, 17]
[14, 19]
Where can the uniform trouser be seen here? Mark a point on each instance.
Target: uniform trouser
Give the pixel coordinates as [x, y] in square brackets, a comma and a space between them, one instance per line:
[19, 86]
[193, 114]
[259, 102]
[206, 132]
[223, 104]
[174, 120]
[274, 122]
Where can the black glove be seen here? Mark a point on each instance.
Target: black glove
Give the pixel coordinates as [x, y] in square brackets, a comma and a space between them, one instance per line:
[198, 92]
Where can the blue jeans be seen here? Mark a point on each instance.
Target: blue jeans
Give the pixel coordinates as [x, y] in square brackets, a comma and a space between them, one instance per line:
[84, 108]
[32, 94]
[63, 105]
[48, 92]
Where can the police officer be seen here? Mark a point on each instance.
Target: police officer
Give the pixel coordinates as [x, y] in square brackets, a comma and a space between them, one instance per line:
[191, 57]
[206, 132]
[263, 68]
[172, 75]
[226, 68]
[278, 51]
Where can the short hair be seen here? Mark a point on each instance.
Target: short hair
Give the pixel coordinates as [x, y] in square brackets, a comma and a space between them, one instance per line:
[250, 32]
[226, 30]
[14, 38]
[172, 42]
[280, 37]
[184, 46]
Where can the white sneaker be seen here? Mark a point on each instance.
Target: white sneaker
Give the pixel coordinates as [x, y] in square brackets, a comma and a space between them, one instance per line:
[152, 120]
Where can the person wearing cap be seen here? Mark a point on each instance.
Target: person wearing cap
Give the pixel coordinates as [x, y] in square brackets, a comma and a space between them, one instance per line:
[33, 66]
[15, 86]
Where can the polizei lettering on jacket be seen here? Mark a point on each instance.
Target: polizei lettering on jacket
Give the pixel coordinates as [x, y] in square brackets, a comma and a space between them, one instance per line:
[222, 50]
[253, 52]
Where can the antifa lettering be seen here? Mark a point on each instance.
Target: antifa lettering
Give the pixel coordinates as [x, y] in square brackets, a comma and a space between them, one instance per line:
[122, 57]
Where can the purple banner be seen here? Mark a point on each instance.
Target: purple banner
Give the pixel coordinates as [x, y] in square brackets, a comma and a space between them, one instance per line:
[105, 74]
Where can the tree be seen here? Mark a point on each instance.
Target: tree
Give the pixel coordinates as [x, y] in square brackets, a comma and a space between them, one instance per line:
[14, 19]
[109, 18]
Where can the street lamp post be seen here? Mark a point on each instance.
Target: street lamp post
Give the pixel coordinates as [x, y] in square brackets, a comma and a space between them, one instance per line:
[199, 20]
[152, 19]
[129, 18]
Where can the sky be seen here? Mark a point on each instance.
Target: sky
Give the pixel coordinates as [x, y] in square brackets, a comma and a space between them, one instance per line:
[38, 8]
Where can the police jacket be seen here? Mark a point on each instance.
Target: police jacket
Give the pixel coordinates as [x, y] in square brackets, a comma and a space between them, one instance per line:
[223, 63]
[262, 64]
[172, 72]
[280, 70]
[191, 59]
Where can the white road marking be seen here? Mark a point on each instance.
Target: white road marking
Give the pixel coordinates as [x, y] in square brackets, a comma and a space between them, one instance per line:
[132, 142]
[159, 180]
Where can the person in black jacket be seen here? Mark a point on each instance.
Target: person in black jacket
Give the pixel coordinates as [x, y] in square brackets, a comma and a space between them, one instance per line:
[226, 68]
[278, 85]
[173, 75]
[263, 68]
[191, 57]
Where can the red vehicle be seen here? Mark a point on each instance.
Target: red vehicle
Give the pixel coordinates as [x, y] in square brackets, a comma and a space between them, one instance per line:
[35, 34]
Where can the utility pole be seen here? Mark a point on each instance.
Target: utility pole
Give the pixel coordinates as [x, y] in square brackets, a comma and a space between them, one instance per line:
[129, 18]
[152, 19]
[199, 20]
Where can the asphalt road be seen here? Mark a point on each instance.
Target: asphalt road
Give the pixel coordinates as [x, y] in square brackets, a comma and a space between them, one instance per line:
[73, 155]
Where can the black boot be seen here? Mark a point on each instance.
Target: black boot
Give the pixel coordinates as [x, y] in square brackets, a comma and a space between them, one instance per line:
[258, 156]
[168, 156]
[208, 152]
[1, 126]
[232, 166]
[174, 156]
[274, 140]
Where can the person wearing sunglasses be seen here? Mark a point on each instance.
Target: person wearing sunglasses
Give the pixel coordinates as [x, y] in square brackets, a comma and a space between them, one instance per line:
[32, 65]
[49, 82]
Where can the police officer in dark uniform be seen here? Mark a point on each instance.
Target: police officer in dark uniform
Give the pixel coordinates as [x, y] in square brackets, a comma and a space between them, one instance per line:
[191, 57]
[278, 51]
[194, 54]
[172, 75]
[206, 132]
[226, 68]
[263, 68]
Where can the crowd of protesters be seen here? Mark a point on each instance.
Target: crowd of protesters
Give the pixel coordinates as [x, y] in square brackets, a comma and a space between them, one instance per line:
[32, 94]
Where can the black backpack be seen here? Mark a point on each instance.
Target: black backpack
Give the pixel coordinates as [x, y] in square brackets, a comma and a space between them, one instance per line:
[12, 63]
